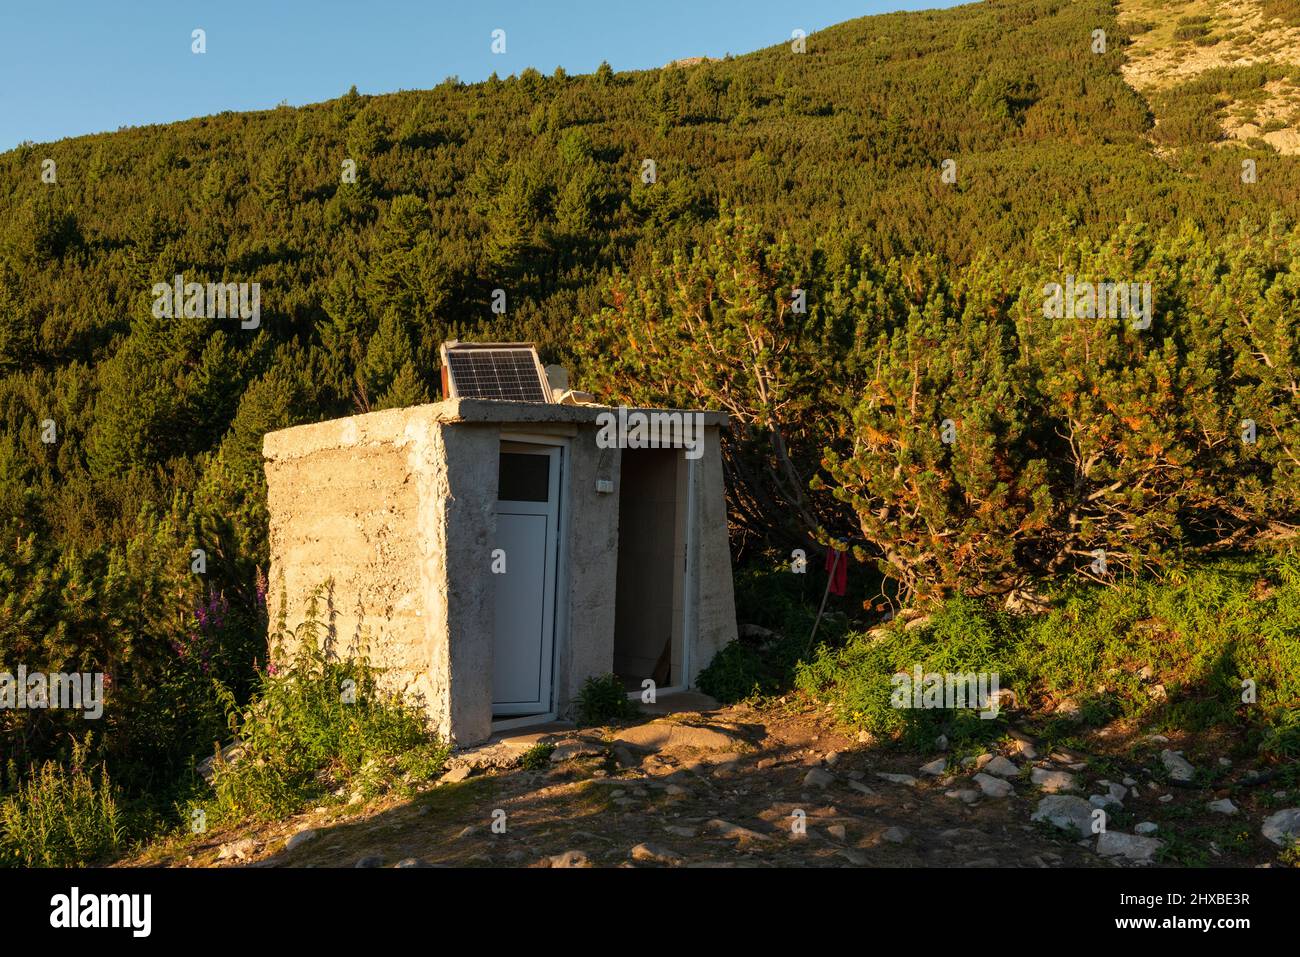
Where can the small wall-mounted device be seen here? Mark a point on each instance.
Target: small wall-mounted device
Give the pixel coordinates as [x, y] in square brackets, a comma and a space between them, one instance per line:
[604, 486]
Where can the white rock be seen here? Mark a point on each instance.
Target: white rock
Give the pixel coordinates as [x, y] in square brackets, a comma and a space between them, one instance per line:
[994, 787]
[897, 778]
[1002, 768]
[935, 767]
[302, 837]
[1283, 827]
[895, 835]
[1052, 781]
[1103, 800]
[1067, 813]
[1118, 792]
[1165, 798]
[818, 778]
[1178, 767]
[1146, 827]
[1132, 846]
[1223, 806]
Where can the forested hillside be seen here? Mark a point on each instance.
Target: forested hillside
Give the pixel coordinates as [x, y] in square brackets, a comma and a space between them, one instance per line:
[821, 170]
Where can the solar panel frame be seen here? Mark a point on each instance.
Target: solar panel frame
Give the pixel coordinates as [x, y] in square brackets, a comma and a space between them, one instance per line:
[504, 371]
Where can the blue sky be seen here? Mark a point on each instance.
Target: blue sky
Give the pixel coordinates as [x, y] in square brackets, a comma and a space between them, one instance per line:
[94, 65]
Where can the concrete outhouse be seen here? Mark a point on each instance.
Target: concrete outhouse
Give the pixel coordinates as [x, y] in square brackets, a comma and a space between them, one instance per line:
[489, 556]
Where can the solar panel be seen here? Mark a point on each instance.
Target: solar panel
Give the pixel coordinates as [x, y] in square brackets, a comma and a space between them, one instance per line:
[506, 370]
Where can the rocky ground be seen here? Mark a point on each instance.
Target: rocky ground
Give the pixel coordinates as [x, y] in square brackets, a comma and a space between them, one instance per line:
[782, 786]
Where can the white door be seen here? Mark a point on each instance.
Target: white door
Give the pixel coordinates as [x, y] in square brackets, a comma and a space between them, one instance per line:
[528, 512]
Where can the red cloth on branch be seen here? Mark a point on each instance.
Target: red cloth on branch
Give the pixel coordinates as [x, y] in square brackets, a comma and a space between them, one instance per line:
[837, 564]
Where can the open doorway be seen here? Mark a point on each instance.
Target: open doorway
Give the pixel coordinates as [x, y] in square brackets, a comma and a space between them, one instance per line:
[650, 601]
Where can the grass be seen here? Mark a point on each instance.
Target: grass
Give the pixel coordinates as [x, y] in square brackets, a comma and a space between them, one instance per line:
[1216, 646]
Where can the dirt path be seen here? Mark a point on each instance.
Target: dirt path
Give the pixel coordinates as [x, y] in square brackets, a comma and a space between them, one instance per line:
[732, 787]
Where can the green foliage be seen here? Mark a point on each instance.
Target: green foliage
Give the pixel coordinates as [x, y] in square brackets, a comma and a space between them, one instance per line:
[602, 700]
[537, 757]
[61, 816]
[317, 723]
[1222, 624]
[761, 666]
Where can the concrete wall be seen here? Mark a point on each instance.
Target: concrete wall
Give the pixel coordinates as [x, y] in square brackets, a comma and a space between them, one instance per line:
[714, 621]
[345, 504]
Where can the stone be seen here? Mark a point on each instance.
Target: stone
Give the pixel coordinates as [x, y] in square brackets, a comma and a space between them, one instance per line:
[765, 763]
[729, 830]
[1118, 792]
[570, 858]
[934, 768]
[977, 762]
[941, 742]
[668, 735]
[818, 778]
[832, 758]
[458, 774]
[860, 787]
[1134, 847]
[1002, 767]
[854, 856]
[239, 850]
[1066, 812]
[1052, 781]
[1103, 800]
[994, 787]
[895, 835]
[1282, 828]
[965, 795]
[1146, 827]
[370, 860]
[1165, 798]
[570, 750]
[412, 862]
[299, 839]
[866, 737]
[655, 853]
[1222, 806]
[623, 756]
[1178, 767]
[680, 831]
[838, 832]
[897, 778]
[1069, 709]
